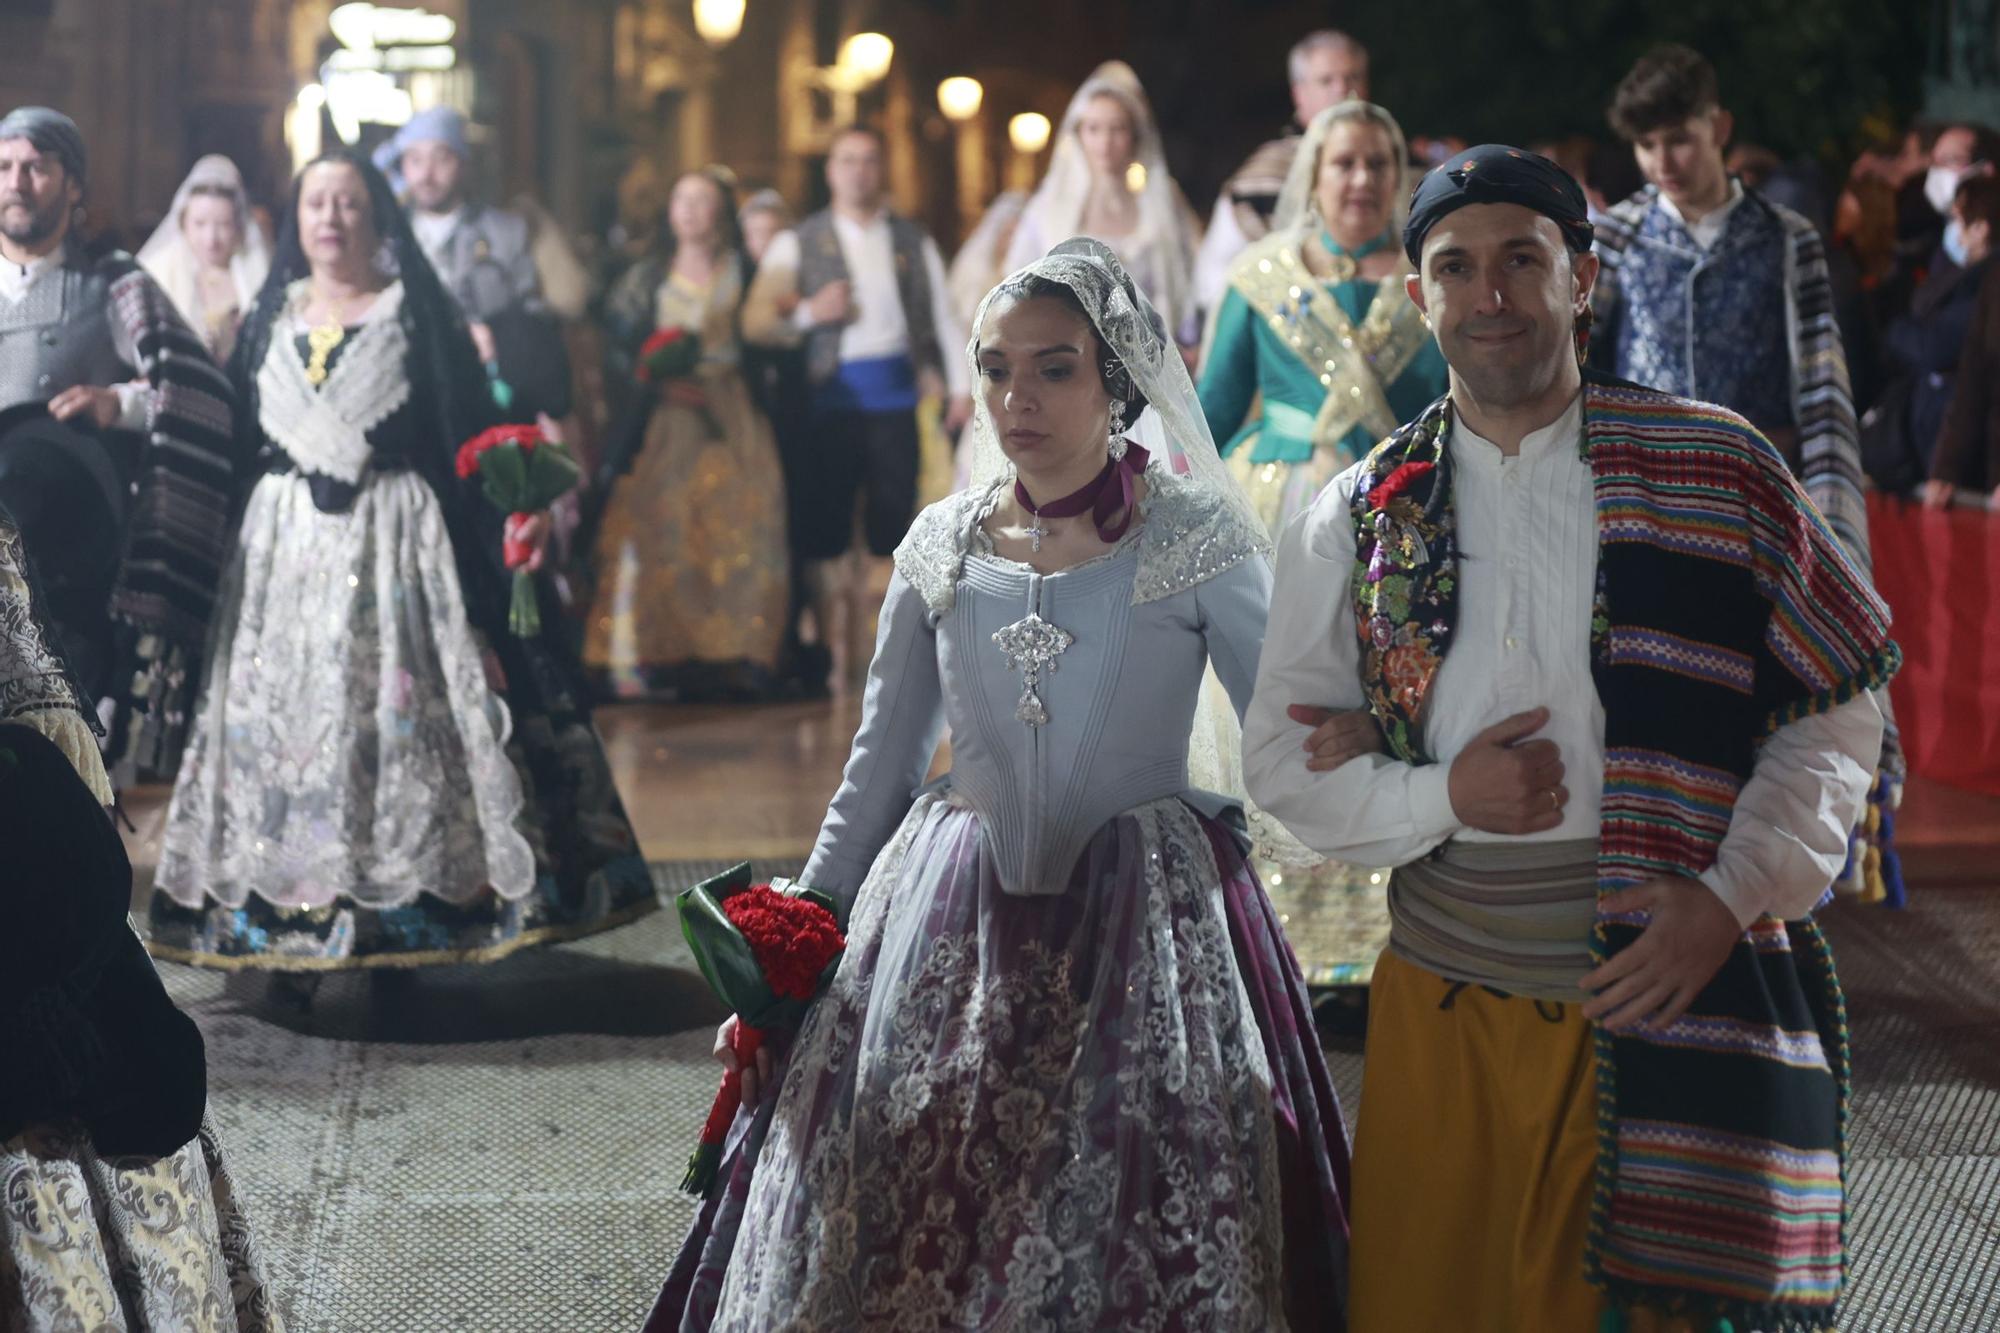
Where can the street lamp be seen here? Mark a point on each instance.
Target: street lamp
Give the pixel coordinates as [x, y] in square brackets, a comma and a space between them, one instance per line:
[1029, 132]
[718, 21]
[866, 57]
[959, 98]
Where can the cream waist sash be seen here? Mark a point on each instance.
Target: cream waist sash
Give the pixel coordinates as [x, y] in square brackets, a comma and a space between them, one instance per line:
[1514, 916]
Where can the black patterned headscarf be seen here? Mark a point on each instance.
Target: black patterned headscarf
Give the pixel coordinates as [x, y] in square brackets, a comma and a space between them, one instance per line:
[51, 132]
[1494, 173]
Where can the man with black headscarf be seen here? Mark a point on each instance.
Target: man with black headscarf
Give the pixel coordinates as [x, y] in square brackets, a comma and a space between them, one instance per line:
[1612, 674]
[114, 433]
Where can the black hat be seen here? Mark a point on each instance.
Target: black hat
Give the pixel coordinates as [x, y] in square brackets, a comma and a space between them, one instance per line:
[1493, 173]
[89, 1031]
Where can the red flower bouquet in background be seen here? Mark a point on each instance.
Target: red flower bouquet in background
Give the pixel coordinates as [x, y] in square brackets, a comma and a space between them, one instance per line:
[522, 472]
[668, 362]
[766, 952]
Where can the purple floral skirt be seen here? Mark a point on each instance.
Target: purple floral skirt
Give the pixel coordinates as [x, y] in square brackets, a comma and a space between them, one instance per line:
[1104, 1108]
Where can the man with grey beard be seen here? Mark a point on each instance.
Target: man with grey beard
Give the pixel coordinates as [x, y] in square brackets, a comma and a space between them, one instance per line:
[115, 435]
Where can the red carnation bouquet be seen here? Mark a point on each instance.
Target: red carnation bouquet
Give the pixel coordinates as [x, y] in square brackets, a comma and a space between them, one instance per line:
[667, 362]
[765, 952]
[522, 472]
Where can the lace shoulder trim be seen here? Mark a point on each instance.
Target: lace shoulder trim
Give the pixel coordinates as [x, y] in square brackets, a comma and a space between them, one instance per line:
[1189, 535]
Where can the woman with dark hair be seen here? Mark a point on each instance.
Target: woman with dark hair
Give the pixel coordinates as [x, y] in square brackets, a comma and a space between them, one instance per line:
[379, 773]
[693, 586]
[1065, 1075]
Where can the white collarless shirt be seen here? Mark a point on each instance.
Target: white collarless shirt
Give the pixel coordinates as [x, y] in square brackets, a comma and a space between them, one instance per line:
[1707, 230]
[1527, 567]
[434, 230]
[879, 327]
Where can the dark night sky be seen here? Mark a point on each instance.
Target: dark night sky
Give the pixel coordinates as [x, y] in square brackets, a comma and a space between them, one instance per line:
[1802, 77]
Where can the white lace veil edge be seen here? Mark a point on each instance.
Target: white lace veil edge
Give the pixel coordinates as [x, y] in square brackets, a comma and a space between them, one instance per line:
[1132, 330]
[1176, 433]
[167, 257]
[1058, 202]
[1297, 206]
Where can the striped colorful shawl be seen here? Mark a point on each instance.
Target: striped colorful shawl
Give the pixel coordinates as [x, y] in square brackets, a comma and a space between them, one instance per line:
[1829, 457]
[1726, 608]
[180, 530]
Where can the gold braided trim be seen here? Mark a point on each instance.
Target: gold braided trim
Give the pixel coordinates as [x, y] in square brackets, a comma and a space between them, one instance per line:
[1353, 364]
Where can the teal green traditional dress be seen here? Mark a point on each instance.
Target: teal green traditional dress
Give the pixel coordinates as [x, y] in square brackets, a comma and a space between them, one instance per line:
[1340, 365]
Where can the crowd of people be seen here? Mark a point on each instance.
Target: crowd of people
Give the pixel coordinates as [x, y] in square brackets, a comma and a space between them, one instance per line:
[1606, 444]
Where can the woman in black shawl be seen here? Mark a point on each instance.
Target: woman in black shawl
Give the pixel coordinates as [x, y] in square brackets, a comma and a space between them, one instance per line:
[378, 772]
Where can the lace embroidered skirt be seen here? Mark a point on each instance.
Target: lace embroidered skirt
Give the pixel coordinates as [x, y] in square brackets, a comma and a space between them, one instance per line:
[1104, 1109]
[353, 792]
[691, 553]
[90, 1243]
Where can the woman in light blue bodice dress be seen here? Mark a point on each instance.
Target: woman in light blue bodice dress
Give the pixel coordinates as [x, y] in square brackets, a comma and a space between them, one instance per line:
[1066, 1075]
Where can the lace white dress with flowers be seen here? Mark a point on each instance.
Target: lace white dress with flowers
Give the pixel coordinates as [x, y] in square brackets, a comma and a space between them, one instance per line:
[360, 786]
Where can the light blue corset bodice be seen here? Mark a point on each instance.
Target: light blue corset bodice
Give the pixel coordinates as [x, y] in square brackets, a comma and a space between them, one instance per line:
[1069, 698]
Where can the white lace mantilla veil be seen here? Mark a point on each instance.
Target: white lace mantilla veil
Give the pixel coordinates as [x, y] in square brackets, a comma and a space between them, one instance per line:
[1175, 433]
[1058, 202]
[166, 255]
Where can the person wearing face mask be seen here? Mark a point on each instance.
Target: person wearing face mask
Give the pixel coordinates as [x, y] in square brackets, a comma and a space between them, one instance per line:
[115, 453]
[1713, 292]
[1960, 152]
[1323, 67]
[1968, 444]
[1925, 344]
[209, 254]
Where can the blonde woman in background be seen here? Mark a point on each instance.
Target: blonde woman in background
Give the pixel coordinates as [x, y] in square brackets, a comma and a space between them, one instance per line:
[1108, 180]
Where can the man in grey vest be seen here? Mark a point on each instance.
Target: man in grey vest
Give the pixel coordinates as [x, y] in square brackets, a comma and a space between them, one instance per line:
[485, 258]
[865, 290]
[115, 428]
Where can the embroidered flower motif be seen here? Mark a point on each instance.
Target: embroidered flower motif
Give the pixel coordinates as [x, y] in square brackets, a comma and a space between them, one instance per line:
[837, 1232]
[1020, 1114]
[1392, 597]
[908, 1096]
[1406, 670]
[1035, 1265]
